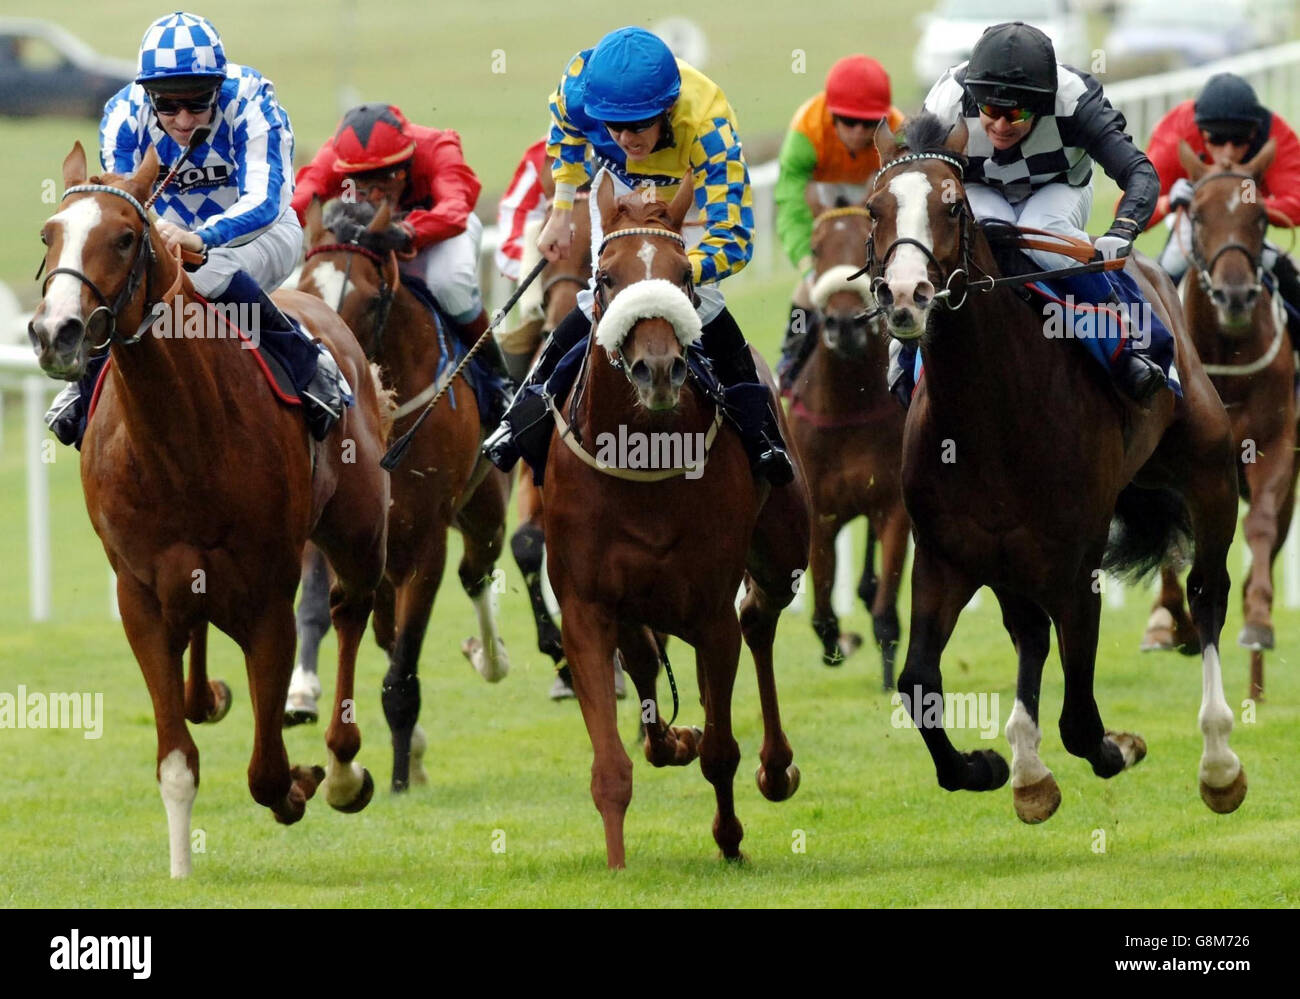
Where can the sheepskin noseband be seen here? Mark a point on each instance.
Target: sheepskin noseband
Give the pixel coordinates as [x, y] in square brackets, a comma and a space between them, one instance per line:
[653, 298]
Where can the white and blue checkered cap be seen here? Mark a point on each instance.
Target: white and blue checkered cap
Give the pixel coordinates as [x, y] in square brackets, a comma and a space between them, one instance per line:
[180, 44]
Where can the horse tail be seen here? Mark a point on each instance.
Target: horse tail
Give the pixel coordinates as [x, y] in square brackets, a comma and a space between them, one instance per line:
[1149, 527]
[387, 403]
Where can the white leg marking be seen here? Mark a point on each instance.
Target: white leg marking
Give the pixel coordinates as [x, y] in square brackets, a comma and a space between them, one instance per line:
[342, 781]
[647, 256]
[176, 784]
[1219, 764]
[1024, 736]
[908, 266]
[489, 655]
[329, 281]
[63, 295]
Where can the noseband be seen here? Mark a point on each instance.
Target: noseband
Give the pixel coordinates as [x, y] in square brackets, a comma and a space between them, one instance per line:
[604, 281]
[141, 266]
[1205, 269]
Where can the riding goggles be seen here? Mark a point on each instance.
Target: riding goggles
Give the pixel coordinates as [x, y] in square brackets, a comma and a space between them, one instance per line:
[1013, 115]
[855, 122]
[200, 104]
[635, 127]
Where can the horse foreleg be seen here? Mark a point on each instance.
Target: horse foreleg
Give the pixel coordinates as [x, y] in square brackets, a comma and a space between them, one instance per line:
[777, 776]
[717, 654]
[822, 562]
[664, 746]
[884, 609]
[348, 785]
[527, 545]
[869, 581]
[939, 592]
[482, 523]
[158, 652]
[1270, 478]
[1033, 786]
[589, 633]
[312, 620]
[268, 657]
[1169, 626]
[205, 701]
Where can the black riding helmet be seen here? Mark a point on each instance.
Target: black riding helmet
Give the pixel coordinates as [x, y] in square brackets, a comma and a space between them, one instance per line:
[1013, 65]
[1228, 106]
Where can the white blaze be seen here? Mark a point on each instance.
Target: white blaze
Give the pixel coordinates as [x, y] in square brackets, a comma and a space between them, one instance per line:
[329, 281]
[63, 295]
[908, 266]
[646, 255]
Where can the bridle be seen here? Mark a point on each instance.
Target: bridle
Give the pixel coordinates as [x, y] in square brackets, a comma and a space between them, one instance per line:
[141, 269]
[1205, 268]
[387, 285]
[844, 324]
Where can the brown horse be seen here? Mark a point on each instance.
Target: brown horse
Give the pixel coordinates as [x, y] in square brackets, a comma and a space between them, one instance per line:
[633, 550]
[204, 489]
[849, 432]
[561, 282]
[1242, 341]
[442, 484]
[1018, 452]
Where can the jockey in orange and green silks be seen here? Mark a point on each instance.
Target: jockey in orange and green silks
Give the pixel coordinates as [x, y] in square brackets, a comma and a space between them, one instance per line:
[645, 117]
[830, 151]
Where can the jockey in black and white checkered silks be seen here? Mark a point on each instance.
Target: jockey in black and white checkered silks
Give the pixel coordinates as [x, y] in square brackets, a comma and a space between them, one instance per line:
[1035, 128]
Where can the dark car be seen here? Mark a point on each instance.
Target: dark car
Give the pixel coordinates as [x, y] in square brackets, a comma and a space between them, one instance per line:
[45, 70]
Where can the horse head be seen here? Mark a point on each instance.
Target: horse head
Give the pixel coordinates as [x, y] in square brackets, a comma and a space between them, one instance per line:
[562, 279]
[352, 264]
[1229, 222]
[839, 241]
[921, 217]
[98, 249]
[644, 311]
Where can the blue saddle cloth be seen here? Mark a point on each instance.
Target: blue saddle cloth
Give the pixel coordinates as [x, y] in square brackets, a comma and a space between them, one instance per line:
[484, 383]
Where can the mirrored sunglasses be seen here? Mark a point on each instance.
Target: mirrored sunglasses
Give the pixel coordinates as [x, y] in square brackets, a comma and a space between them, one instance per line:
[175, 105]
[635, 127]
[1013, 115]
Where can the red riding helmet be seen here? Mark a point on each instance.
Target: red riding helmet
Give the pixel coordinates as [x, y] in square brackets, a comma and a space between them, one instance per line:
[858, 87]
[371, 137]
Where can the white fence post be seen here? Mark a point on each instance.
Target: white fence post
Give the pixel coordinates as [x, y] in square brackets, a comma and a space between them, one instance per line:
[38, 499]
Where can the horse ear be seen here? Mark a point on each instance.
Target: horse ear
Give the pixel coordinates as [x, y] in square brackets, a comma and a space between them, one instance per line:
[957, 137]
[683, 201]
[383, 217]
[313, 218]
[146, 173]
[1191, 162]
[1262, 161]
[74, 166]
[605, 198]
[886, 145]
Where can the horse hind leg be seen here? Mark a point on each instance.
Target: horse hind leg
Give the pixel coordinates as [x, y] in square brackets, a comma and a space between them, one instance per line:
[836, 646]
[1036, 794]
[205, 700]
[1169, 626]
[482, 524]
[312, 620]
[717, 655]
[777, 775]
[527, 545]
[884, 608]
[348, 785]
[664, 746]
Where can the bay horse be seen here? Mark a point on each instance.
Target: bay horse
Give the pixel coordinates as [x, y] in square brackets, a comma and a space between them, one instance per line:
[1241, 339]
[351, 265]
[1017, 453]
[204, 489]
[561, 281]
[634, 550]
[849, 432]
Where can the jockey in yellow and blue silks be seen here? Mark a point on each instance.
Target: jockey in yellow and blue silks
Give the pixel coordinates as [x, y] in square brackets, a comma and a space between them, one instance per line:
[644, 117]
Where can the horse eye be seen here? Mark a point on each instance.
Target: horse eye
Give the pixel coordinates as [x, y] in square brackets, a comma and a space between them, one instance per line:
[955, 210]
[125, 240]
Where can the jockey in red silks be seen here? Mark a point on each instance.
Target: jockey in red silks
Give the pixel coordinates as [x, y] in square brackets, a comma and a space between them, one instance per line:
[421, 172]
[1226, 123]
[830, 148]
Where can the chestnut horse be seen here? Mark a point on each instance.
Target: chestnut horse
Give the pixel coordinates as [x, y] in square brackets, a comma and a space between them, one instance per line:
[1017, 453]
[561, 282]
[442, 484]
[204, 489]
[849, 432]
[630, 551]
[1242, 341]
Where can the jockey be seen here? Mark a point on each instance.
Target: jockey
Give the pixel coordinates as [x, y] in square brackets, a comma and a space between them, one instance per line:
[829, 144]
[232, 206]
[647, 117]
[1227, 123]
[1035, 128]
[422, 173]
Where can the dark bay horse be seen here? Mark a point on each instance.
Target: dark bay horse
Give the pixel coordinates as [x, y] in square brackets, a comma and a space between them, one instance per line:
[849, 431]
[1243, 343]
[1017, 454]
[204, 489]
[442, 484]
[661, 550]
[561, 281]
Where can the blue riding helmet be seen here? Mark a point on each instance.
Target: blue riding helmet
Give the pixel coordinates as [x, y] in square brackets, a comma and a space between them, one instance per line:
[630, 76]
[180, 46]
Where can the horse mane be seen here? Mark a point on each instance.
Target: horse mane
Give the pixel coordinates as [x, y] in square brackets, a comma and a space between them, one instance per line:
[349, 221]
[639, 212]
[926, 133]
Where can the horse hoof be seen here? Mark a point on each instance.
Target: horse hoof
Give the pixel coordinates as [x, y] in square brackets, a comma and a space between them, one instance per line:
[988, 770]
[300, 705]
[1225, 799]
[221, 701]
[1256, 637]
[833, 658]
[363, 796]
[1157, 640]
[1037, 802]
[777, 792]
[419, 776]
[1133, 746]
[492, 668]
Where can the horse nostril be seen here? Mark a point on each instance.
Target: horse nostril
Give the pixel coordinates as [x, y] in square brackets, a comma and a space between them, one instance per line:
[884, 296]
[921, 299]
[69, 335]
[678, 373]
[641, 374]
[1219, 296]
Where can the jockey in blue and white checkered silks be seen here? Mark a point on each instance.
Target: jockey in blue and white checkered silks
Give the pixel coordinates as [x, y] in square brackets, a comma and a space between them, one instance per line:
[1035, 128]
[230, 201]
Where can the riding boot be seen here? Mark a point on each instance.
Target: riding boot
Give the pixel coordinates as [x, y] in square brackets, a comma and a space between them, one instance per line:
[1288, 287]
[800, 337]
[526, 425]
[1136, 374]
[491, 357]
[66, 418]
[901, 376]
[760, 432]
[311, 367]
